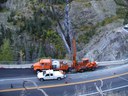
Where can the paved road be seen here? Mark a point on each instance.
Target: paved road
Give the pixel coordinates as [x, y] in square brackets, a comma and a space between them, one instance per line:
[84, 88]
[25, 72]
[9, 73]
[74, 82]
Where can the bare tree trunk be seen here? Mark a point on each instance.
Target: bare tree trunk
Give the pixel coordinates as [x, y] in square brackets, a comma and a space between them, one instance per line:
[61, 31]
[35, 51]
[27, 50]
[40, 49]
[64, 39]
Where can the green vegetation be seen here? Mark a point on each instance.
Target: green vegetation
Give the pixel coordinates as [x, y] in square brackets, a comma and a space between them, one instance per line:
[107, 21]
[2, 9]
[123, 10]
[87, 4]
[39, 26]
[121, 2]
[85, 38]
[91, 30]
[6, 53]
[4, 34]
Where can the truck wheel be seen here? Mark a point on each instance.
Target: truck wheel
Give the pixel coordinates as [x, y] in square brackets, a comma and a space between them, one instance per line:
[72, 70]
[59, 78]
[41, 79]
[81, 70]
[93, 69]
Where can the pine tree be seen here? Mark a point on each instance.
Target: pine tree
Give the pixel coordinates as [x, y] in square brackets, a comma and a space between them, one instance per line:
[5, 51]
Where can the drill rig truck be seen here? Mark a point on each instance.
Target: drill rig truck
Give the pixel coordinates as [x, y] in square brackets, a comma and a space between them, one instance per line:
[75, 66]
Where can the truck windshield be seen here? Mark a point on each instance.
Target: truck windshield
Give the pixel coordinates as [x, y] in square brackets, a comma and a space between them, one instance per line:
[44, 72]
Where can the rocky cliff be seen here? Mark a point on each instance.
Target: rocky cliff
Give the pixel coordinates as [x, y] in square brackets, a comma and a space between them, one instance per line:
[108, 41]
[108, 45]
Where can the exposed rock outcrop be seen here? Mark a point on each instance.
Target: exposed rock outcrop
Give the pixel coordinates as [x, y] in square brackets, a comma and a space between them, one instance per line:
[109, 45]
[109, 41]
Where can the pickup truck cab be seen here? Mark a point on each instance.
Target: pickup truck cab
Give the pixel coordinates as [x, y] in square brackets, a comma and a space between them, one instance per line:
[50, 74]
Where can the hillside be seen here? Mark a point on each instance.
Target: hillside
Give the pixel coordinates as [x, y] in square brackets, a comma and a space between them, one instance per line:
[29, 29]
[99, 31]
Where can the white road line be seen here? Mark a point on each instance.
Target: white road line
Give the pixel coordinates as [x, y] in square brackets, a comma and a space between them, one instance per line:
[14, 79]
[122, 78]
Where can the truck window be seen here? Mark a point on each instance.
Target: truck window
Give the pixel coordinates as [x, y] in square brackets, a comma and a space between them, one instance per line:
[44, 72]
[47, 75]
[42, 64]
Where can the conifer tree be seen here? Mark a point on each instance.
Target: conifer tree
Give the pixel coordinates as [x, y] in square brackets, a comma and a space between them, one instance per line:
[5, 51]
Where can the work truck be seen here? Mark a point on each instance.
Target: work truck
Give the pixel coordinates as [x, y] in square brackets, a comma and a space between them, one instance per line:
[50, 74]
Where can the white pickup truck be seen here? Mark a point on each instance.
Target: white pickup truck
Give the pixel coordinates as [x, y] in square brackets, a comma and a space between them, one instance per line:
[50, 74]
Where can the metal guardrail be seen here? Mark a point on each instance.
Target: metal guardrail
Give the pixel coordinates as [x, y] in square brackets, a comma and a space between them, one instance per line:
[29, 64]
[117, 62]
[16, 66]
[16, 62]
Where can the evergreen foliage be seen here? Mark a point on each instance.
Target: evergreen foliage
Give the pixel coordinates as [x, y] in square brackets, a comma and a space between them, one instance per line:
[6, 53]
[124, 12]
[85, 38]
[1, 8]
[39, 26]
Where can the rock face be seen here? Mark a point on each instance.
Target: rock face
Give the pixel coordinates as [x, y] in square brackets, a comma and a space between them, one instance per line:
[91, 11]
[110, 45]
[110, 41]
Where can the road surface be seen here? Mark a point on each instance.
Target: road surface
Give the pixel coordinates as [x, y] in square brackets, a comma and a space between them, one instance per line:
[80, 83]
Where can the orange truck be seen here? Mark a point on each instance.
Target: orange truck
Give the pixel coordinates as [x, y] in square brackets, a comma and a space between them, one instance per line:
[83, 65]
[46, 64]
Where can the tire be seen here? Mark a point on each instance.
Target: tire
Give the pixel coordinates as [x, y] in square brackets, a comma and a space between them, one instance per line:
[72, 70]
[41, 79]
[69, 69]
[59, 78]
[81, 70]
[93, 69]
